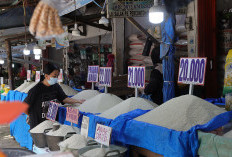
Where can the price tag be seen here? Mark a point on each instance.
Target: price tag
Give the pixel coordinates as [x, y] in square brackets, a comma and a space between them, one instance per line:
[103, 134]
[85, 126]
[136, 76]
[192, 71]
[37, 76]
[28, 75]
[93, 73]
[52, 111]
[105, 76]
[60, 77]
[72, 115]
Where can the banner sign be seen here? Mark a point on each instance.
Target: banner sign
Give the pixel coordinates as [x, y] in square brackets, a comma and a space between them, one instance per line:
[103, 134]
[136, 76]
[85, 126]
[52, 111]
[129, 8]
[28, 75]
[60, 77]
[93, 73]
[105, 76]
[192, 71]
[37, 76]
[72, 115]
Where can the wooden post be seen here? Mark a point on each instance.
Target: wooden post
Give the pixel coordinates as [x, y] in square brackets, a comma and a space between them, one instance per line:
[118, 45]
[9, 64]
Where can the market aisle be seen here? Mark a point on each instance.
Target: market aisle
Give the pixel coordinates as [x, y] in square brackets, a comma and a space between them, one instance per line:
[6, 140]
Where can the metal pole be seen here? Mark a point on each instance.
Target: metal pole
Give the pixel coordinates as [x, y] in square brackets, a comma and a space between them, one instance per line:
[92, 85]
[136, 92]
[191, 88]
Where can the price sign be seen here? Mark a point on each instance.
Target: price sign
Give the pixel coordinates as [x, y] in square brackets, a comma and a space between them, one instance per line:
[60, 77]
[72, 115]
[52, 111]
[103, 134]
[136, 76]
[93, 73]
[37, 76]
[28, 75]
[85, 126]
[2, 80]
[192, 71]
[105, 76]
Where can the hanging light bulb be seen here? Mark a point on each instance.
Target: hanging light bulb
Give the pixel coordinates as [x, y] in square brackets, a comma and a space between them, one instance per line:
[156, 13]
[37, 57]
[13, 65]
[103, 19]
[2, 61]
[26, 51]
[75, 31]
[37, 50]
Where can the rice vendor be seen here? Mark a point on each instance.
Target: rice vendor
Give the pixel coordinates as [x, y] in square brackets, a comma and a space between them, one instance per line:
[155, 85]
[43, 93]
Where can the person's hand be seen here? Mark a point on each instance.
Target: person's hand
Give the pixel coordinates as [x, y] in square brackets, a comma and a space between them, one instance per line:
[81, 101]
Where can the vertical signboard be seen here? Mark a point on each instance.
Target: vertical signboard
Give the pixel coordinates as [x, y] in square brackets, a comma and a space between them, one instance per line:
[136, 76]
[28, 75]
[105, 76]
[72, 115]
[37, 76]
[103, 134]
[93, 73]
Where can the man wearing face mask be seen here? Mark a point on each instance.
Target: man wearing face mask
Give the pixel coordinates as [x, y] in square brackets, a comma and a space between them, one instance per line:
[43, 93]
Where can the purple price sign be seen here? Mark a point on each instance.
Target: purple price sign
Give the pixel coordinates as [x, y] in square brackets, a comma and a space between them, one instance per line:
[93, 73]
[192, 71]
[105, 76]
[72, 115]
[52, 111]
[136, 76]
[103, 134]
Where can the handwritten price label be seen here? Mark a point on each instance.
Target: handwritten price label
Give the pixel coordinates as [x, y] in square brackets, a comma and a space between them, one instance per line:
[136, 76]
[105, 76]
[85, 126]
[103, 134]
[37, 76]
[52, 111]
[72, 115]
[192, 71]
[93, 73]
[28, 75]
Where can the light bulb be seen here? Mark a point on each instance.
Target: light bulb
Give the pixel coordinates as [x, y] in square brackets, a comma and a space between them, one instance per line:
[13, 65]
[2, 61]
[75, 31]
[37, 57]
[156, 13]
[37, 50]
[26, 51]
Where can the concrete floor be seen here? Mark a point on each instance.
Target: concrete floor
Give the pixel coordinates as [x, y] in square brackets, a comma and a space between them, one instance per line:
[6, 140]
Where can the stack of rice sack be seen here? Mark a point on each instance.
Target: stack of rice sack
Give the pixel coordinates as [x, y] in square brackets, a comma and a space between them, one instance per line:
[137, 43]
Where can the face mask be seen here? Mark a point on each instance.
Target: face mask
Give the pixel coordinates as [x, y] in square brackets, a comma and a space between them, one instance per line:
[52, 81]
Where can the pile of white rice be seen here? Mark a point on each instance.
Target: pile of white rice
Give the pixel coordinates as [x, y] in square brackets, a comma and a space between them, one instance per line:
[68, 90]
[23, 86]
[228, 134]
[127, 106]
[100, 103]
[47, 124]
[26, 89]
[86, 94]
[63, 130]
[182, 113]
[76, 141]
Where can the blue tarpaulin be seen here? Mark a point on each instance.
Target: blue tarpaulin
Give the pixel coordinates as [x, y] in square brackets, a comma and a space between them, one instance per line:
[167, 51]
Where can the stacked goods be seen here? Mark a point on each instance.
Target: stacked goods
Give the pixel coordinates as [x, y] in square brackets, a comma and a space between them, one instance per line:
[137, 43]
[100, 103]
[86, 94]
[76, 141]
[63, 130]
[127, 106]
[182, 113]
[47, 124]
[68, 90]
[23, 86]
[26, 90]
